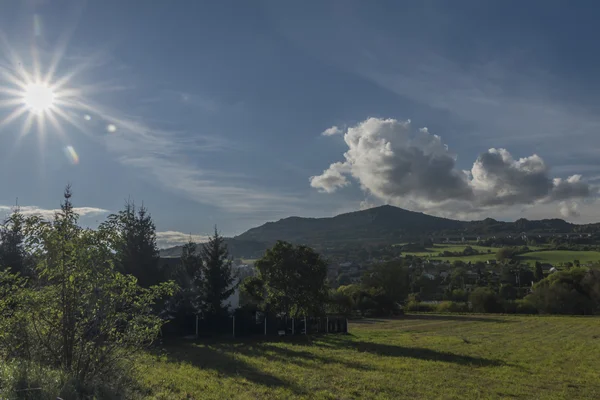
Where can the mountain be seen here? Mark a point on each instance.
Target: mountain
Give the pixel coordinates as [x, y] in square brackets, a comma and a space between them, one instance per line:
[375, 224]
[381, 225]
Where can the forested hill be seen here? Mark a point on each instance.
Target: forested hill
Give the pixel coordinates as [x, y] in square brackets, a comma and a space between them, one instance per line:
[379, 223]
[392, 223]
[385, 224]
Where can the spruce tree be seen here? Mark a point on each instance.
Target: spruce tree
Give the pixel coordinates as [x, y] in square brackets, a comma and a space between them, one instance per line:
[135, 245]
[190, 278]
[217, 282]
[12, 245]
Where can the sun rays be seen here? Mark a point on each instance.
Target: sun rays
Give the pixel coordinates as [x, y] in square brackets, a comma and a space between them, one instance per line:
[35, 98]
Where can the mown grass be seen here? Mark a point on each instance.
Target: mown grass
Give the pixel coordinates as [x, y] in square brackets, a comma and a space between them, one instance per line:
[414, 357]
[539, 253]
[560, 256]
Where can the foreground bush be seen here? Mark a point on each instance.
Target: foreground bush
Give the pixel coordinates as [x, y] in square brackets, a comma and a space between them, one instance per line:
[77, 315]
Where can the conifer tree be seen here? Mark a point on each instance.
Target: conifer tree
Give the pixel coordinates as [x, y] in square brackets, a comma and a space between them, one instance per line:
[217, 281]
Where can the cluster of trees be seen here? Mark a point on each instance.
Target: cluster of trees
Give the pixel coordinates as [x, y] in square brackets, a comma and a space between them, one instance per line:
[381, 291]
[387, 288]
[467, 251]
[83, 302]
[289, 281]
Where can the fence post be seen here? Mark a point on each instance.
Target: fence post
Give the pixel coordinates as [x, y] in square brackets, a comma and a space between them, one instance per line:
[293, 331]
[346, 330]
[265, 325]
[305, 326]
[319, 324]
[233, 325]
[327, 326]
[196, 326]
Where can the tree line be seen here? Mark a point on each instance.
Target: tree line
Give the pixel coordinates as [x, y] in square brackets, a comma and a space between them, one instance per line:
[77, 304]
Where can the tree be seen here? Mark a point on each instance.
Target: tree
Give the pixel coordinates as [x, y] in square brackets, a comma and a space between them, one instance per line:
[507, 292]
[391, 278]
[216, 281]
[12, 245]
[505, 254]
[539, 271]
[291, 280]
[573, 291]
[83, 316]
[340, 302]
[485, 300]
[458, 277]
[133, 237]
[185, 303]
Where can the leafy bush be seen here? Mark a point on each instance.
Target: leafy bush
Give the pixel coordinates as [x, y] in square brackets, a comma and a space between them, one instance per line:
[78, 315]
[573, 291]
[420, 307]
[459, 295]
[485, 300]
[452, 306]
[525, 307]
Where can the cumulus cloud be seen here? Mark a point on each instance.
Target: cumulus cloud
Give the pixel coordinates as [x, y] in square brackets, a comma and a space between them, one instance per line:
[331, 179]
[569, 209]
[397, 165]
[334, 130]
[173, 238]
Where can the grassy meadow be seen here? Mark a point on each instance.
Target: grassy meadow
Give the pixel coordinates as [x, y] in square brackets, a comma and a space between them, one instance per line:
[555, 257]
[414, 357]
[560, 256]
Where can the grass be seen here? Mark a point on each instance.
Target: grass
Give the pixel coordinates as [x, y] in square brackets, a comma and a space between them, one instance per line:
[554, 257]
[414, 357]
[560, 256]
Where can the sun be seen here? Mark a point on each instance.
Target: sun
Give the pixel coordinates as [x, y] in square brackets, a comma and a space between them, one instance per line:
[38, 97]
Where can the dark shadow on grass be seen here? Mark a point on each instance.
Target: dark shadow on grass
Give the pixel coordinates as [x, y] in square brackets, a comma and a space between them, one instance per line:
[221, 358]
[457, 318]
[296, 356]
[349, 342]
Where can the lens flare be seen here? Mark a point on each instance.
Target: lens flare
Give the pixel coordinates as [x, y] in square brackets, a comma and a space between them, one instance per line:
[38, 97]
[72, 155]
[111, 128]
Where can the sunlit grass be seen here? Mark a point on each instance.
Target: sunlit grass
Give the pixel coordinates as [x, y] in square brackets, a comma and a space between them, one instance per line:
[422, 357]
[561, 256]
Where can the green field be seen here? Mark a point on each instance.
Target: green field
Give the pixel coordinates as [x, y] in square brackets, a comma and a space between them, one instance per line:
[560, 256]
[555, 257]
[414, 357]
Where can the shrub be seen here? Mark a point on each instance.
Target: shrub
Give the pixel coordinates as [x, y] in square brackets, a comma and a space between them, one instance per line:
[525, 307]
[459, 295]
[79, 316]
[485, 300]
[420, 307]
[452, 307]
[574, 291]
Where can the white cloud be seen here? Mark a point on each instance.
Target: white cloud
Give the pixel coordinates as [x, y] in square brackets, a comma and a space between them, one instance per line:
[334, 130]
[174, 238]
[569, 209]
[49, 213]
[331, 179]
[416, 170]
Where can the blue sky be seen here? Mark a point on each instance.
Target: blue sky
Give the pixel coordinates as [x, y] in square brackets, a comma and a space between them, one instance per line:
[216, 109]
